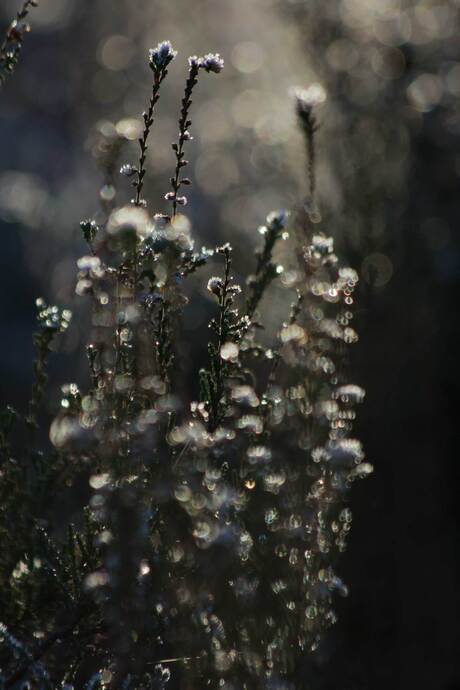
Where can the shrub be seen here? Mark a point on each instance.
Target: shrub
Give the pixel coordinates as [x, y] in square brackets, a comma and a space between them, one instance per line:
[162, 538]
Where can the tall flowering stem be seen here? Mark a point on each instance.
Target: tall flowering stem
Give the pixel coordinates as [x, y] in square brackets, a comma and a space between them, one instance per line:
[12, 43]
[266, 270]
[211, 63]
[309, 125]
[229, 328]
[222, 328]
[159, 59]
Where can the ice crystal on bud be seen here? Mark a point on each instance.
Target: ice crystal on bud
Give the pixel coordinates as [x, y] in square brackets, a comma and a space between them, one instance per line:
[278, 219]
[212, 62]
[162, 55]
[351, 393]
[345, 451]
[128, 170]
[215, 285]
[89, 229]
[322, 245]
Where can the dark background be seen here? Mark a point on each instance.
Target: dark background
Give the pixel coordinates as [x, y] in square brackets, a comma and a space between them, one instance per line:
[389, 168]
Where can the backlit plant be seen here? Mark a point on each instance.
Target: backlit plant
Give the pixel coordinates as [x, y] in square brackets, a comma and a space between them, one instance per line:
[167, 541]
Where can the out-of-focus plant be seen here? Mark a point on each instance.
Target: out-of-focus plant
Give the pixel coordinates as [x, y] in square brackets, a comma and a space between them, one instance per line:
[166, 538]
[391, 73]
[11, 47]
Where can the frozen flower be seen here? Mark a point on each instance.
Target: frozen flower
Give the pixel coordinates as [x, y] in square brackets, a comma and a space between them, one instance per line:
[245, 544]
[227, 247]
[273, 481]
[307, 99]
[205, 533]
[319, 455]
[277, 219]
[89, 229]
[229, 352]
[161, 56]
[212, 62]
[293, 332]
[348, 275]
[345, 451]
[251, 422]
[160, 221]
[361, 471]
[322, 245]
[89, 264]
[128, 170]
[83, 287]
[215, 285]
[89, 269]
[259, 454]
[180, 200]
[351, 393]
[245, 395]
[326, 410]
[67, 430]
[129, 222]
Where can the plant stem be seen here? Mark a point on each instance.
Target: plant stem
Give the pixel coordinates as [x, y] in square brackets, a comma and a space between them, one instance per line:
[184, 136]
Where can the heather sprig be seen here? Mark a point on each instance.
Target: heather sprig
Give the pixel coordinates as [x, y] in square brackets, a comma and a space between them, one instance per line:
[266, 270]
[89, 230]
[210, 63]
[159, 59]
[11, 47]
[51, 321]
[223, 354]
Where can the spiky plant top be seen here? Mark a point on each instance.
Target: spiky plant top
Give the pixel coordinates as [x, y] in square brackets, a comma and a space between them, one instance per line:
[170, 537]
[11, 46]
